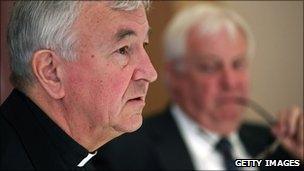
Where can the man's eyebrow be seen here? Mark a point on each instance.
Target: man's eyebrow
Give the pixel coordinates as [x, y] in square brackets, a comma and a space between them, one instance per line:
[123, 33]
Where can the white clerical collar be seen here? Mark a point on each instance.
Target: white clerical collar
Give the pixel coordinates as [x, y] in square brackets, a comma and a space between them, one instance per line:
[86, 159]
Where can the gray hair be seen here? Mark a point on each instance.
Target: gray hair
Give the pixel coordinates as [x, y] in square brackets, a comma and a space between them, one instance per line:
[36, 25]
[210, 20]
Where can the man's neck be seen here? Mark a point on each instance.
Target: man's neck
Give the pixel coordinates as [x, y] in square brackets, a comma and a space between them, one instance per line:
[71, 122]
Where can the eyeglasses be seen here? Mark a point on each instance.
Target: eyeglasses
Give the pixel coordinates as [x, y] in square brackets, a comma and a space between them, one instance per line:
[268, 117]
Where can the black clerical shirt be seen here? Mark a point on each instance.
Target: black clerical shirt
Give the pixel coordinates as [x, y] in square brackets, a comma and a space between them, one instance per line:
[70, 152]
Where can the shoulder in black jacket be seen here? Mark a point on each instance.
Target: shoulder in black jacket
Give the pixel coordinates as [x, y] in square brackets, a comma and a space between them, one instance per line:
[158, 145]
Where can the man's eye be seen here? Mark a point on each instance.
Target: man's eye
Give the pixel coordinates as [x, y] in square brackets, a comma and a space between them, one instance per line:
[209, 68]
[240, 64]
[124, 50]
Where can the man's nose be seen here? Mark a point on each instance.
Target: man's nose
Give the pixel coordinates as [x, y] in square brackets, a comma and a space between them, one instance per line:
[228, 79]
[145, 70]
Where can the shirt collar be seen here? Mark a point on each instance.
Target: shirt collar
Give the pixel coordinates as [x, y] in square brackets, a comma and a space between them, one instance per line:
[196, 135]
[191, 133]
[72, 153]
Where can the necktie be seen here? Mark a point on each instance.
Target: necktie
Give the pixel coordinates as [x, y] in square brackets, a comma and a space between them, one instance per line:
[224, 147]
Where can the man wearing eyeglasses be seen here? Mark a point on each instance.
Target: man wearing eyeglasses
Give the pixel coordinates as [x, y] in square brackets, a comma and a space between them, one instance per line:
[208, 50]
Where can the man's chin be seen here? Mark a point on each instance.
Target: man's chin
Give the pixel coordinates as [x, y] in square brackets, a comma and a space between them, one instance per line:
[229, 115]
[230, 111]
[135, 125]
[131, 124]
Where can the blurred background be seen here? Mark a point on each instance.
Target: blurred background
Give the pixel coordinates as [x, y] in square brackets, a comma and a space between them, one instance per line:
[276, 70]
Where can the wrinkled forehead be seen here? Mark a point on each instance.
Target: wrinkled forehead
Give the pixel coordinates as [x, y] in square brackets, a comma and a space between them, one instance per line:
[104, 9]
[98, 15]
[222, 43]
[230, 30]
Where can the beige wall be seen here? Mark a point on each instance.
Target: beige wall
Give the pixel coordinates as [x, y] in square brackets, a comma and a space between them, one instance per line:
[277, 69]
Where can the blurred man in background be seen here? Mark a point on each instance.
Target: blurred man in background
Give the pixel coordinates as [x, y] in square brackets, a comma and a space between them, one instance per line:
[81, 74]
[208, 50]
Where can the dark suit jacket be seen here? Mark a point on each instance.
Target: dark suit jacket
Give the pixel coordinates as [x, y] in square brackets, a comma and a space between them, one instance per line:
[158, 145]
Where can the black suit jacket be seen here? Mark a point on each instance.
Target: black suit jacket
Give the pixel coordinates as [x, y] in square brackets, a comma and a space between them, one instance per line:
[158, 145]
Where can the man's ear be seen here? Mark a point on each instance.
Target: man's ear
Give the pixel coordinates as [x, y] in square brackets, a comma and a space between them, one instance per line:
[46, 68]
